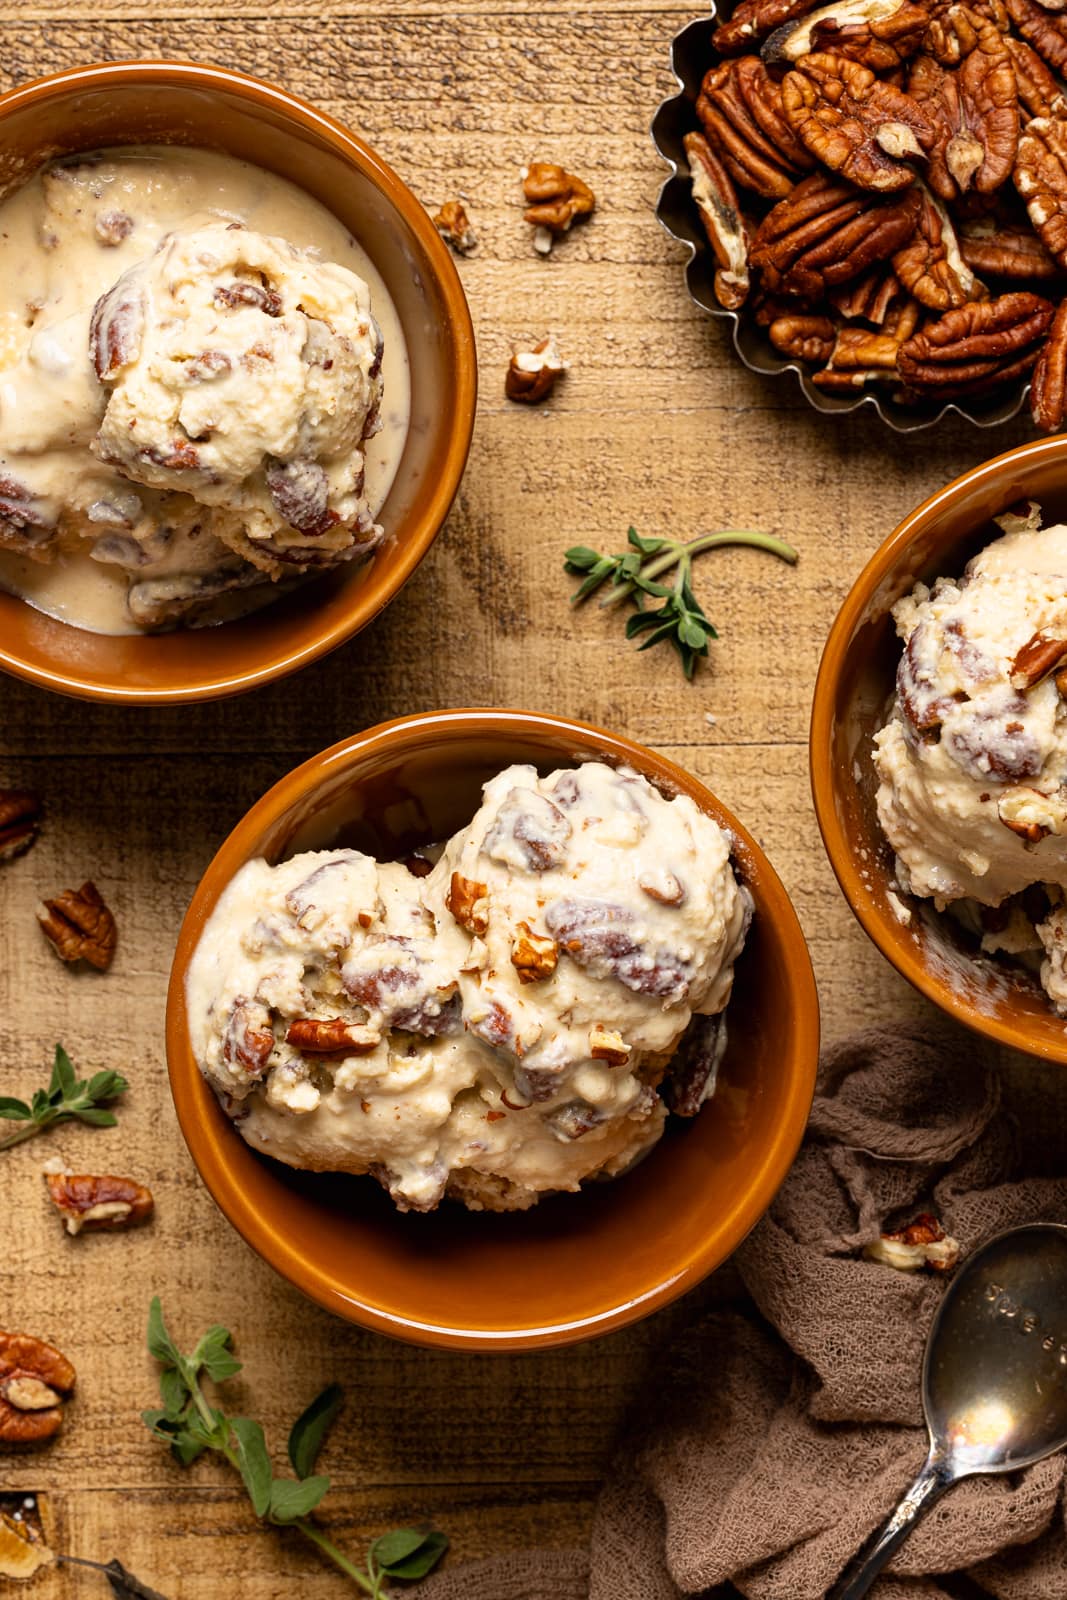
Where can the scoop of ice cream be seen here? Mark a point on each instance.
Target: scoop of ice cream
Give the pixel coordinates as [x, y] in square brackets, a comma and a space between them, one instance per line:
[974, 754]
[492, 1038]
[246, 373]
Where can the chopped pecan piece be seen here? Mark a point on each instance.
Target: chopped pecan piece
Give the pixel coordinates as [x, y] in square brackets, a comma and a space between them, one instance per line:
[975, 113]
[607, 1044]
[855, 123]
[723, 223]
[115, 330]
[827, 232]
[976, 346]
[1027, 828]
[574, 1120]
[327, 1036]
[20, 822]
[694, 1067]
[532, 374]
[803, 338]
[99, 1202]
[453, 224]
[1005, 252]
[533, 956]
[556, 198]
[1048, 391]
[1036, 659]
[740, 110]
[1034, 83]
[112, 227]
[242, 293]
[35, 1379]
[80, 926]
[930, 265]
[1045, 32]
[1041, 178]
[468, 903]
[754, 20]
[301, 492]
[879, 34]
[923, 1243]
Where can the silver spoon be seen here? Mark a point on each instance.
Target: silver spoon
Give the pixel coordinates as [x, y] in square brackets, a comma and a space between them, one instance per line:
[994, 1380]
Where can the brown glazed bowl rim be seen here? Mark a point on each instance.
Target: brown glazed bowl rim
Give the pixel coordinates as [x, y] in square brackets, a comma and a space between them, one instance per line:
[209, 1139]
[880, 926]
[459, 328]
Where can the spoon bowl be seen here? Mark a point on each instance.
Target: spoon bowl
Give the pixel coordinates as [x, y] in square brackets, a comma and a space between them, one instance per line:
[994, 1382]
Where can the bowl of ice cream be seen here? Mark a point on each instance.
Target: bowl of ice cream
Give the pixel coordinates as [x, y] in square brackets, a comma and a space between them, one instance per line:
[237, 383]
[475, 999]
[938, 745]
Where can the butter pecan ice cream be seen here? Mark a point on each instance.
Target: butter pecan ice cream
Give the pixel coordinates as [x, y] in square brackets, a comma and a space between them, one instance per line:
[972, 760]
[509, 1024]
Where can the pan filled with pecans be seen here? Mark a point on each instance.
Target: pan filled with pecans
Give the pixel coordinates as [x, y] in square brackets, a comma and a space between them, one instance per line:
[875, 192]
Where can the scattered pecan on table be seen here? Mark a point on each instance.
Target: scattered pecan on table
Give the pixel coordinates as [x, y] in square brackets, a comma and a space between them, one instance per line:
[555, 200]
[80, 926]
[454, 225]
[20, 822]
[35, 1379]
[883, 184]
[98, 1202]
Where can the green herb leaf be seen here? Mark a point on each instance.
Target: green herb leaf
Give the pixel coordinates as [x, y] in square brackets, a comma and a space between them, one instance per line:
[309, 1429]
[160, 1343]
[647, 547]
[214, 1355]
[95, 1117]
[253, 1461]
[579, 558]
[17, 1110]
[64, 1079]
[421, 1557]
[174, 1392]
[290, 1500]
[187, 1445]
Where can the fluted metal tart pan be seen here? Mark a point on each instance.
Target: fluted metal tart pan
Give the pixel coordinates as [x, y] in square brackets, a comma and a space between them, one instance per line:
[691, 55]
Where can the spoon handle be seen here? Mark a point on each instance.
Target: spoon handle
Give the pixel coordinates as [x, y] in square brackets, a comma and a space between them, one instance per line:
[880, 1548]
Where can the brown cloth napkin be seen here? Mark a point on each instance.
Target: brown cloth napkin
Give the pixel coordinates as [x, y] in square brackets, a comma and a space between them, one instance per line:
[776, 1436]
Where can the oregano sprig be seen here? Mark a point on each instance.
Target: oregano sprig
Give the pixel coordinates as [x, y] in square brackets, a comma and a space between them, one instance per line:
[67, 1097]
[635, 574]
[190, 1424]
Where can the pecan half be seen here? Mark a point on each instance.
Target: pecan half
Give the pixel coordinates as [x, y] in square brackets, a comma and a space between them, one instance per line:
[1041, 178]
[753, 20]
[1047, 33]
[532, 374]
[532, 955]
[808, 338]
[976, 346]
[867, 299]
[1048, 391]
[326, 1036]
[740, 110]
[1005, 252]
[556, 197]
[99, 1202]
[35, 1379]
[468, 903]
[930, 265]
[694, 1066]
[20, 822]
[115, 330]
[723, 223]
[880, 34]
[827, 232]
[864, 355]
[259, 296]
[453, 224]
[1034, 83]
[80, 926]
[249, 1037]
[855, 123]
[975, 112]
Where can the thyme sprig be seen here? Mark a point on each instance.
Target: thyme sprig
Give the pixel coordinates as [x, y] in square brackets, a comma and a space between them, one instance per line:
[67, 1098]
[635, 574]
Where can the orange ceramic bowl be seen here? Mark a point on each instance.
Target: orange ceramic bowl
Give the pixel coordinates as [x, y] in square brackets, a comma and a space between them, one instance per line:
[576, 1265]
[165, 102]
[852, 694]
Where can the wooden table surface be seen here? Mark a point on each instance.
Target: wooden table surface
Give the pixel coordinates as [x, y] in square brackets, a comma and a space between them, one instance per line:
[656, 424]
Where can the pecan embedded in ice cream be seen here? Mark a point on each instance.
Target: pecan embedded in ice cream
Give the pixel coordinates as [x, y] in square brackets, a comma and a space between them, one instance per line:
[533, 957]
[466, 899]
[325, 1036]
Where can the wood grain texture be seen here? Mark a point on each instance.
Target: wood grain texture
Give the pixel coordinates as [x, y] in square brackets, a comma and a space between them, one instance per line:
[656, 424]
